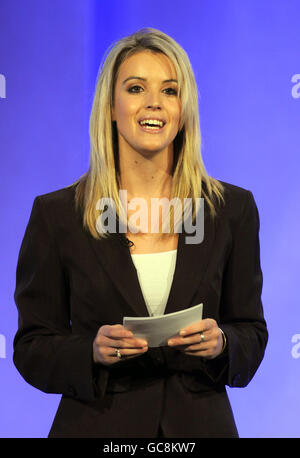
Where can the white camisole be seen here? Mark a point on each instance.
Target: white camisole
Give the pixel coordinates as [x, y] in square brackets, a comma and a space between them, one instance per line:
[155, 273]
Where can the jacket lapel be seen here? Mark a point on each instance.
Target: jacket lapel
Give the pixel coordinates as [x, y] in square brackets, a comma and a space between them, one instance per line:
[115, 259]
[191, 265]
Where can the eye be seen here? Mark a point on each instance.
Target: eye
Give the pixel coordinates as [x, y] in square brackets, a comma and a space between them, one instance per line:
[170, 91]
[135, 89]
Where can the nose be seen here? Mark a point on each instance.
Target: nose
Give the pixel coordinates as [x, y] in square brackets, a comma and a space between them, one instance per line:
[154, 107]
[153, 101]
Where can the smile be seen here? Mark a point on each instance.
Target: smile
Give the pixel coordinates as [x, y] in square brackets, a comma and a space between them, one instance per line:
[152, 125]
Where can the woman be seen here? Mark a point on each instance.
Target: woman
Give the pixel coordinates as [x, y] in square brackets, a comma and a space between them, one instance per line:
[76, 281]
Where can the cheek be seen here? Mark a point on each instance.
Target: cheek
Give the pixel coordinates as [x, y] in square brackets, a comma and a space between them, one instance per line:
[175, 110]
[125, 111]
[176, 120]
[120, 110]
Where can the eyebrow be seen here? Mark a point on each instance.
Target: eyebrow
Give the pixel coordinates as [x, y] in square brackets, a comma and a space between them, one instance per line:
[145, 79]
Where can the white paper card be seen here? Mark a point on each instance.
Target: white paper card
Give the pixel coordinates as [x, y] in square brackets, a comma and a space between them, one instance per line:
[157, 330]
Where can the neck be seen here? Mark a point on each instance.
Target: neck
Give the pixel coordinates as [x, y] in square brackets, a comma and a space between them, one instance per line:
[144, 176]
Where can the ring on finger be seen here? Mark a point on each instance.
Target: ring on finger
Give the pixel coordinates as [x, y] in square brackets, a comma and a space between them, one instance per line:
[118, 354]
[202, 338]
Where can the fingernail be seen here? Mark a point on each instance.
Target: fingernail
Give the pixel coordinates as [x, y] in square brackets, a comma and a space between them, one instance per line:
[171, 342]
[183, 333]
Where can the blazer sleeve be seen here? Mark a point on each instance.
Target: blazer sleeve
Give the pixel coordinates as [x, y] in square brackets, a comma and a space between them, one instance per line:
[241, 311]
[46, 352]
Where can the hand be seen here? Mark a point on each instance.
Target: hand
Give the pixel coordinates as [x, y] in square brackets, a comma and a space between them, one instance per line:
[110, 338]
[191, 343]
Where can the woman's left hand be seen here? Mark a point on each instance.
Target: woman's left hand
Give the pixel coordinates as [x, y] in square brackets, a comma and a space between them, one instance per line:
[203, 338]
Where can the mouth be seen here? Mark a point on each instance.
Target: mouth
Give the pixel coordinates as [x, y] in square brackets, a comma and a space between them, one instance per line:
[152, 125]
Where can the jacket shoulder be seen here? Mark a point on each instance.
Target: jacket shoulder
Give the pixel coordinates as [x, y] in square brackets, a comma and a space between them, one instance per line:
[58, 207]
[59, 196]
[236, 200]
[234, 191]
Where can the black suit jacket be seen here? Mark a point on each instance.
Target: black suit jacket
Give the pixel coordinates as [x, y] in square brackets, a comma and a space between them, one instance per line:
[69, 284]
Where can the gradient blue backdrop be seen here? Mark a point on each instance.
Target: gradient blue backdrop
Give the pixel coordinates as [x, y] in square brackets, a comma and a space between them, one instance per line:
[245, 55]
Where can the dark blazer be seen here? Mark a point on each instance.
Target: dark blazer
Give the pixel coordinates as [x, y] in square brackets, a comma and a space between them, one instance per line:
[69, 284]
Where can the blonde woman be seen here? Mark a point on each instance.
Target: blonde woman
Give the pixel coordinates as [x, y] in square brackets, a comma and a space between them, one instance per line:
[90, 257]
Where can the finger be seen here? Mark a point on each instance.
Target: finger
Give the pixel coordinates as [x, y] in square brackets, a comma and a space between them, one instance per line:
[199, 326]
[115, 331]
[208, 353]
[198, 338]
[209, 348]
[128, 343]
[118, 342]
[125, 352]
[203, 353]
[202, 347]
[194, 351]
[119, 333]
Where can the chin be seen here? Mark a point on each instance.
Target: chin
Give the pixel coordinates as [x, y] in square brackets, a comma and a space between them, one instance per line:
[150, 151]
[152, 148]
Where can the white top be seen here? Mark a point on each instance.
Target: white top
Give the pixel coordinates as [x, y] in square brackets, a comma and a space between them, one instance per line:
[155, 273]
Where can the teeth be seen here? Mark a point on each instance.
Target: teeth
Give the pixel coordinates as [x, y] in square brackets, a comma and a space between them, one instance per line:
[151, 122]
[151, 127]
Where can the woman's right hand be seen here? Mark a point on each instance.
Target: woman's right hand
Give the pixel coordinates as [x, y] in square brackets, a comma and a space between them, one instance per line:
[110, 338]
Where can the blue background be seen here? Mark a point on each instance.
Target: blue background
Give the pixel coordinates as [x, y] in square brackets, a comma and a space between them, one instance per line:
[244, 55]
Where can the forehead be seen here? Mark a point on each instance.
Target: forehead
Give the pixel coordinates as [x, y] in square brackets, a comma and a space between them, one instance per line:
[147, 64]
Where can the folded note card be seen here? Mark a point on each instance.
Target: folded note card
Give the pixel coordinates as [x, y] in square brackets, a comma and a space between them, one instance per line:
[157, 330]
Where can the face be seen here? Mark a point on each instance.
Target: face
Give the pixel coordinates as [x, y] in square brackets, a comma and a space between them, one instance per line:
[146, 106]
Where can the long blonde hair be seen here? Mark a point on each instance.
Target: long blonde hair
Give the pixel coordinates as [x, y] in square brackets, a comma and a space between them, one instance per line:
[102, 178]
